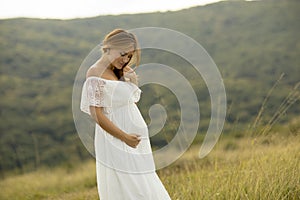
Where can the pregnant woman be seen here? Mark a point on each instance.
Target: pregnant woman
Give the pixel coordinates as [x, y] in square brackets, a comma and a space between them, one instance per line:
[124, 162]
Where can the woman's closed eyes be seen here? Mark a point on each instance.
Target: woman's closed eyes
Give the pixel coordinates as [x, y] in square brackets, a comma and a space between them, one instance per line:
[123, 54]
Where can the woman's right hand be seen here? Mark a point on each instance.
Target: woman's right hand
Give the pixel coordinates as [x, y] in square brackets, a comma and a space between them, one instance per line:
[130, 75]
[132, 140]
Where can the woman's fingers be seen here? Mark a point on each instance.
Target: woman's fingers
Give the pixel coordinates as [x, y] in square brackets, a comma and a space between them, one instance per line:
[133, 140]
[138, 139]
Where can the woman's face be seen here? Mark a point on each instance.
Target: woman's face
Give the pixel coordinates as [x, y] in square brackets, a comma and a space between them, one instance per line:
[120, 58]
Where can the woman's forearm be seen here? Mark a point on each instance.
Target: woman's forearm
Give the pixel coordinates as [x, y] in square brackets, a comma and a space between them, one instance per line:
[106, 124]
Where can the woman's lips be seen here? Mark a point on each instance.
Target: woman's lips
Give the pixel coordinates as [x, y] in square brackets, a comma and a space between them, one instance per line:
[118, 65]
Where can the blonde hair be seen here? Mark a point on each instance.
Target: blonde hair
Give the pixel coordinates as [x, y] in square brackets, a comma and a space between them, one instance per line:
[123, 40]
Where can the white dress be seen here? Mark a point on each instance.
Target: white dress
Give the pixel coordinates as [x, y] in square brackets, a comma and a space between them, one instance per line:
[123, 172]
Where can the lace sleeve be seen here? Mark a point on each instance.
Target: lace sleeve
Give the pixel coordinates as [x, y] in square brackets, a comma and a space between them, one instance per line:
[94, 93]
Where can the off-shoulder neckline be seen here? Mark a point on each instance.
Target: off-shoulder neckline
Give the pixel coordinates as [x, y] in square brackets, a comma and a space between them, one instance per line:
[115, 81]
[97, 77]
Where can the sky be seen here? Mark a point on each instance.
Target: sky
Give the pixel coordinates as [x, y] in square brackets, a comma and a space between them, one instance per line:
[69, 9]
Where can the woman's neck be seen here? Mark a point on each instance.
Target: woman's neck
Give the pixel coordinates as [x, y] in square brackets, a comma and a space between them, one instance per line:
[103, 63]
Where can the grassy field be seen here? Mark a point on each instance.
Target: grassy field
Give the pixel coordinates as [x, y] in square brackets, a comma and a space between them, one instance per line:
[238, 168]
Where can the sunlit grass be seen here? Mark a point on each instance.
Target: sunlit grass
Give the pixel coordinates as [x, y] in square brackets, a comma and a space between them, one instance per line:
[262, 168]
[265, 167]
[59, 183]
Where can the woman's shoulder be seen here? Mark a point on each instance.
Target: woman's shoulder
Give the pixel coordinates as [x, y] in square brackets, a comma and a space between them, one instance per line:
[94, 72]
[92, 77]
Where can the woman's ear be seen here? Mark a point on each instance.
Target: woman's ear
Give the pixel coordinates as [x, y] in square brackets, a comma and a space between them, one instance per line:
[106, 50]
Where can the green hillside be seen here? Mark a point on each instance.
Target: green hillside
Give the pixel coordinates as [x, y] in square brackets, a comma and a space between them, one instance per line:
[252, 43]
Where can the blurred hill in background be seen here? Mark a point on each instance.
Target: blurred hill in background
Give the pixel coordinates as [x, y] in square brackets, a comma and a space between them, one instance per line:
[252, 43]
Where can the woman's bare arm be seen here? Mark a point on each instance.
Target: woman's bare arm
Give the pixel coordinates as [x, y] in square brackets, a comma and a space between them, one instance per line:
[97, 114]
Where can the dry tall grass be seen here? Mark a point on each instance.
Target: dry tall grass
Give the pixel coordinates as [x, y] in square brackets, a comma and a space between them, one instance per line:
[266, 167]
[262, 168]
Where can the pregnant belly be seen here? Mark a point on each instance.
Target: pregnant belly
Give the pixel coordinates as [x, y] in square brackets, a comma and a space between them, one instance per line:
[129, 119]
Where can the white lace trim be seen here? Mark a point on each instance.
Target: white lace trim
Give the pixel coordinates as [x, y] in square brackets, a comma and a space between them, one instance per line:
[94, 94]
[98, 92]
